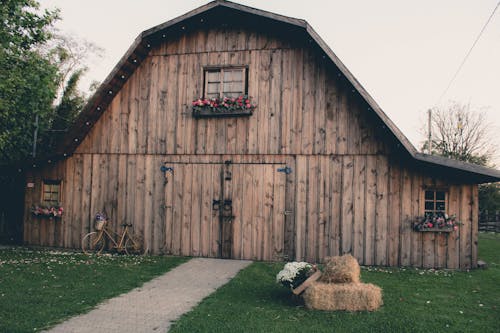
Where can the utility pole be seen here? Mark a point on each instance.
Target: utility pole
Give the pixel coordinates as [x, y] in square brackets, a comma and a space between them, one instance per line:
[35, 135]
[429, 142]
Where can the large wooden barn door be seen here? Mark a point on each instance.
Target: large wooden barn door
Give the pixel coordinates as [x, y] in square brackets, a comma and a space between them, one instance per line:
[225, 210]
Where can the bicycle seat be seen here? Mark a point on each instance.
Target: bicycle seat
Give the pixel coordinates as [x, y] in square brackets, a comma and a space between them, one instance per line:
[127, 225]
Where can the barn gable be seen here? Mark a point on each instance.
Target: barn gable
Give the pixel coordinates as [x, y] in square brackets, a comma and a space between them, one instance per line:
[318, 169]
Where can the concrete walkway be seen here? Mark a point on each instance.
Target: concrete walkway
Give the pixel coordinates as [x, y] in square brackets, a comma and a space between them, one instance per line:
[153, 307]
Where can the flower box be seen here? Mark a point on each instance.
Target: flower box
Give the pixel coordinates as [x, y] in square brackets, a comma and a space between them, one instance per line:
[50, 212]
[436, 223]
[446, 230]
[216, 113]
[225, 107]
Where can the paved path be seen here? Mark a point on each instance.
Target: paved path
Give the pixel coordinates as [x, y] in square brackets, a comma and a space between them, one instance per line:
[153, 307]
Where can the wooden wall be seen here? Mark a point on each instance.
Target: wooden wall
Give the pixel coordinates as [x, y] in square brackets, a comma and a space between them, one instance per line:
[363, 205]
[303, 106]
[347, 192]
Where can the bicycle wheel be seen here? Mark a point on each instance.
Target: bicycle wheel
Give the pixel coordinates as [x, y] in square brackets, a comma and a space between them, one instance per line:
[134, 245]
[93, 242]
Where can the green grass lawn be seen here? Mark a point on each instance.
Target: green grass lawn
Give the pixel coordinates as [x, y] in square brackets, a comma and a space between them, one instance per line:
[414, 301]
[39, 288]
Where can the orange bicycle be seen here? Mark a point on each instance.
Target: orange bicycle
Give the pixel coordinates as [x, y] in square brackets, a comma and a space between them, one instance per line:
[96, 241]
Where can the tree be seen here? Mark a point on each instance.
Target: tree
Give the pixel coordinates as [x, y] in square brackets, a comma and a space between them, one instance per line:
[461, 133]
[28, 80]
[38, 81]
[489, 197]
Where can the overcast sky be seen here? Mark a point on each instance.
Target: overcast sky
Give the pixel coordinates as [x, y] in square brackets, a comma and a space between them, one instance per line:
[404, 53]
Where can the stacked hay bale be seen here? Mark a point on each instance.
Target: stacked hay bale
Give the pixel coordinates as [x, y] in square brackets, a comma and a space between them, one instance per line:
[339, 288]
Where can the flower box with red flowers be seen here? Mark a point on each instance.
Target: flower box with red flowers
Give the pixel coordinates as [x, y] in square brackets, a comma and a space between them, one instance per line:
[223, 107]
[47, 211]
[436, 223]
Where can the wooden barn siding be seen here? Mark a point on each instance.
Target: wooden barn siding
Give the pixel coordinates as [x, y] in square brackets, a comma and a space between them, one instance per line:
[303, 106]
[364, 205]
[339, 204]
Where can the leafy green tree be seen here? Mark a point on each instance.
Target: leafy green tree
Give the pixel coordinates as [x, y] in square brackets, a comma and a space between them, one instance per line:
[71, 103]
[489, 197]
[28, 80]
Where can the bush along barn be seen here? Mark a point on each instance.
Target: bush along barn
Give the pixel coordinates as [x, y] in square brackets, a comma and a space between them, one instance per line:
[234, 132]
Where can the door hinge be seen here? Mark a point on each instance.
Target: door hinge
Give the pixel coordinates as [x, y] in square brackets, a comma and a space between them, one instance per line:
[287, 170]
[165, 168]
[288, 212]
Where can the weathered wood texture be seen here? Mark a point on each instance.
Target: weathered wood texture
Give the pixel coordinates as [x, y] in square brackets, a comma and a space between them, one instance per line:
[341, 204]
[303, 106]
[348, 191]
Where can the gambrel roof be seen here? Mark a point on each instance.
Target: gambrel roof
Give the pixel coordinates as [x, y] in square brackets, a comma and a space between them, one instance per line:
[232, 12]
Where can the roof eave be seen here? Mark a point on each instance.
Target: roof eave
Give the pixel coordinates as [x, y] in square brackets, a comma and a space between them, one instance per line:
[480, 173]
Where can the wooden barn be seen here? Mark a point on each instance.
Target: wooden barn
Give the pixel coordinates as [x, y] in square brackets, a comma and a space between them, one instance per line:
[315, 169]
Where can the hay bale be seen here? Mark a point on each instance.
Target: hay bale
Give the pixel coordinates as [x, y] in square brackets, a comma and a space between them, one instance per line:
[343, 269]
[345, 296]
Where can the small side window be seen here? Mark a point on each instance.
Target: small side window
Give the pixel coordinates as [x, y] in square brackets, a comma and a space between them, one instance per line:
[51, 195]
[435, 202]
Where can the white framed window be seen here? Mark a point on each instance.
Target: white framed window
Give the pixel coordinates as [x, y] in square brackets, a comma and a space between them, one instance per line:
[222, 82]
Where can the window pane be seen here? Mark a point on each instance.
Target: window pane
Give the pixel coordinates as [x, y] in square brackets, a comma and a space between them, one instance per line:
[440, 206]
[233, 75]
[439, 195]
[213, 95]
[213, 76]
[429, 205]
[233, 89]
[429, 195]
[213, 88]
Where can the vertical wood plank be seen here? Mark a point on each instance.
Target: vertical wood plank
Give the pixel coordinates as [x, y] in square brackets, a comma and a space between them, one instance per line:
[150, 223]
[268, 202]
[169, 206]
[187, 189]
[312, 216]
[86, 224]
[331, 109]
[68, 202]
[452, 249]
[308, 104]
[394, 218]
[324, 204]
[238, 202]
[178, 200]
[406, 218]
[196, 200]
[286, 101]
[300, 207]
[122, 203]
[381, 211]
[371, 213]
[347, 204]
[217, 195]
[248, 235]
[359, 186]
[416, 237]
[278, 228]
[138, 196]
[335, 239]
